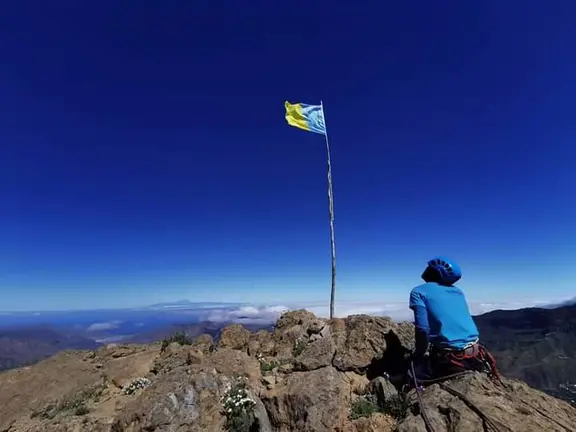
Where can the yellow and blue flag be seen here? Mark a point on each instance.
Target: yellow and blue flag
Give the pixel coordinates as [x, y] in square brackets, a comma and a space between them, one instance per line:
[307, 117]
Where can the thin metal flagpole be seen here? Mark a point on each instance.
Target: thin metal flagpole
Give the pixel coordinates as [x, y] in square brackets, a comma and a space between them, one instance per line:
[331, 215]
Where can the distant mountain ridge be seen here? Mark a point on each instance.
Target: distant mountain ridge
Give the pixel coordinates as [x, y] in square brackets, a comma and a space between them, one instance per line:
[28, 345]
[20, 346]
[535, 345]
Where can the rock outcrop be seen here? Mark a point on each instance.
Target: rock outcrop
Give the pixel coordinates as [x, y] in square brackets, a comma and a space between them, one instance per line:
[309, 374]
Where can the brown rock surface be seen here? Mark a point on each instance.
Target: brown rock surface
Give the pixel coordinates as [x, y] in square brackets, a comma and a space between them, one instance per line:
[360, 339]
[236, 337]
[204, 343]
[308, 401]
[305, 376]
[261, 343]
[516, 408]
[375, 423]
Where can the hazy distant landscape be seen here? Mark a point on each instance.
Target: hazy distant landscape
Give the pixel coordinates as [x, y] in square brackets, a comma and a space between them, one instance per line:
[27, 337]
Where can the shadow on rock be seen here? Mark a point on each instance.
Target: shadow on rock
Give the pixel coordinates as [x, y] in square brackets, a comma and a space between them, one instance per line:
[393, 362]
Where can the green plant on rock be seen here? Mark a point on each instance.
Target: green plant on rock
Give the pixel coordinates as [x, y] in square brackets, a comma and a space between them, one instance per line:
[363, 407]
[366, 405]
[238, 408]
[299, 347]
[267, 366]
[395, 407]
[81, 410]
[75, 404]
[179, 337]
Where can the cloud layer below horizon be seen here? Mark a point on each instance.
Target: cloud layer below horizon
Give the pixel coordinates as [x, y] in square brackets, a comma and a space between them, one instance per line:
[398, 311]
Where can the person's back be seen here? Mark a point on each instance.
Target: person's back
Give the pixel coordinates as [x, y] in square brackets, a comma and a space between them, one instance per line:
[450, 324]
[443, 322]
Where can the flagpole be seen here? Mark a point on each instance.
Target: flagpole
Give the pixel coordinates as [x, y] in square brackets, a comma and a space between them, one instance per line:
[331, 215]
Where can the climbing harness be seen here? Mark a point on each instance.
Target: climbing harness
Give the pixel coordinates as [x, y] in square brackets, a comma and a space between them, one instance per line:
[475, 351]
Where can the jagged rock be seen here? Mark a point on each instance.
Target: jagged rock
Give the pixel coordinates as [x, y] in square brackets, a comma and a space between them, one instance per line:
[175, 356]
[286, 368]
[235, 336]
[204, 343]
[349, 344]
[309, 401]
[375, 423]
[233, 363]
[360, 339]
[315, 355]
[189, 397]
[261, 343]
[291, 332]
[359, 384]
[177, 402]
[405, 333]
[261, 416]
[269, 381]
[124, 369]
[300, 317]
[316, 327]
[384, 390]
[116, 351]
[516, 408]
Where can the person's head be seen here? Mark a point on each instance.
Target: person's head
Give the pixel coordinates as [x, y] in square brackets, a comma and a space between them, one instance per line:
[442, 271]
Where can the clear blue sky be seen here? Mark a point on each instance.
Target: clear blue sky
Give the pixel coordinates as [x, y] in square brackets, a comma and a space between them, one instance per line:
[145, 156]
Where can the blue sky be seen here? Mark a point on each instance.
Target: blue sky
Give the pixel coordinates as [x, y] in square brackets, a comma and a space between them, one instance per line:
[145, 155]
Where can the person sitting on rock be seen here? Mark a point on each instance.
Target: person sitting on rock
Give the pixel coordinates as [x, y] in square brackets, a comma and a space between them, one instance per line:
[447, 339]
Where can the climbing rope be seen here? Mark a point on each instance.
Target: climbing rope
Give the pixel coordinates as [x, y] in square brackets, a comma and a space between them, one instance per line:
[485, 419]
[444, 378]
[427, 422]
[440, 381]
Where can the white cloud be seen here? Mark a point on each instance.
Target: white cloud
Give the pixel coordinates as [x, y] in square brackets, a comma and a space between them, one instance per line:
[270, 313]
[247, 314]
[398, 311]
[104, 326]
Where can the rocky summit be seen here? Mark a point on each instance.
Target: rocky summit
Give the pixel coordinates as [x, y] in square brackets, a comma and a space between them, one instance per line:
[308, 374]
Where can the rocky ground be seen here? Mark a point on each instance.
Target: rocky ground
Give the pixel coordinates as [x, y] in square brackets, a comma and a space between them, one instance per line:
[307, 375]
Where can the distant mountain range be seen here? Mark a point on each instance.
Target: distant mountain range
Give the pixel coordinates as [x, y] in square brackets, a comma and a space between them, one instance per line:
[23, 346]
[20, 346]
[535, 345]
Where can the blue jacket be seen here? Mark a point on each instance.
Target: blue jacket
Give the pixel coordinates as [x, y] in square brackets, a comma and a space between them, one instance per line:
[442, 317]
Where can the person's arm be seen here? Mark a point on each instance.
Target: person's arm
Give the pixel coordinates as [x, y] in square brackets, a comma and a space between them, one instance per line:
[422, 332]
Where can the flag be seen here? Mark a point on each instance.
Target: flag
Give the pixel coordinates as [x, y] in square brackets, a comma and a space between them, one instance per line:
[307, 117]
